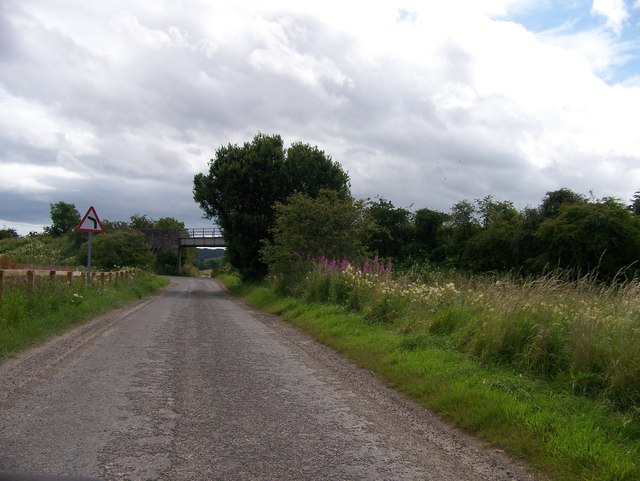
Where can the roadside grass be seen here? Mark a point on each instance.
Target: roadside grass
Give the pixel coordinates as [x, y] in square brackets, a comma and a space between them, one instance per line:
[560, 432]
[27, 318]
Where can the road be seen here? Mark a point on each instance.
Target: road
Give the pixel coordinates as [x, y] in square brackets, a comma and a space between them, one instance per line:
[191, 384]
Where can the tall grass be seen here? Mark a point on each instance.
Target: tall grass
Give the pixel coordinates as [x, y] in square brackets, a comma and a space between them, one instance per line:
[582, 336]
[28, 317]
[416, 336]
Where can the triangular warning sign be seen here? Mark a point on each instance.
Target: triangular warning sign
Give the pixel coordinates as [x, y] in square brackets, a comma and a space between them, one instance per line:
[90, 222]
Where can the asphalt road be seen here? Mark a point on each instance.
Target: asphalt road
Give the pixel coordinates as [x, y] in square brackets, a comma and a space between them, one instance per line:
[191, 384]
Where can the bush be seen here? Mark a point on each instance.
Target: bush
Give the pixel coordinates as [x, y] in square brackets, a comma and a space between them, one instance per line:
[117, 249]
[166, 263]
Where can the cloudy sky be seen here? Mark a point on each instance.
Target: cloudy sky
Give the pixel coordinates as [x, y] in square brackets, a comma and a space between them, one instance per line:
[118, 104]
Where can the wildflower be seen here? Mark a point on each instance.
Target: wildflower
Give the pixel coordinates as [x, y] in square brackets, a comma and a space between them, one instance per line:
[76, 298]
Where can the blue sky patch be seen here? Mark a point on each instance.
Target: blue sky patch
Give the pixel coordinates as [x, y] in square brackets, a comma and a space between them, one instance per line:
[573, 17]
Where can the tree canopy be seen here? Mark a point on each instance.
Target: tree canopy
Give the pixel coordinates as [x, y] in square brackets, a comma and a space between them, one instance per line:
[122, 248]
[248, 188]
[244, 183]
[330, 225]
[64, 218]
[567, 230]
[603, 237]
[121, 236]
[392, 229]
[8, 233]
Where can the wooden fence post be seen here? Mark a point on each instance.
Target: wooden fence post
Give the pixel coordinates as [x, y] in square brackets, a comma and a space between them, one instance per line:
[102, 276]
[70, 277]
[52, 276]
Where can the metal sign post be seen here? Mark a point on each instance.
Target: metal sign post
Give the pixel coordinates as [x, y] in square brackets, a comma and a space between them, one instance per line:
[91, 224]
[89, 242]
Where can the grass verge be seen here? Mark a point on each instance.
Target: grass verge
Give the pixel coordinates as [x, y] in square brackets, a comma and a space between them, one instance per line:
[561, 435]
[28, 318]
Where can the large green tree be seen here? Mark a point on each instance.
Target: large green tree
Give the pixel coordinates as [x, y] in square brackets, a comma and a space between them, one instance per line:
[244, 182]
[170, 223]
[598, 236]
[392, 231]
[493, 247]
[138, 221]
[428, 239]
[555, 199]
[331, 225]
[64, 218]
[461, 225]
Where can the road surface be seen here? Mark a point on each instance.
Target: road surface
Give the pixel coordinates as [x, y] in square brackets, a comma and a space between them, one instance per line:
[191, 384]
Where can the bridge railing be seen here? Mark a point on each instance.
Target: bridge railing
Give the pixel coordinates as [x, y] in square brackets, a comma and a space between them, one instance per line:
[204, 232]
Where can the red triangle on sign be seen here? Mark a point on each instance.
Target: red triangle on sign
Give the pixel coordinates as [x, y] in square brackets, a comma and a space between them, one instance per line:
[90, 222]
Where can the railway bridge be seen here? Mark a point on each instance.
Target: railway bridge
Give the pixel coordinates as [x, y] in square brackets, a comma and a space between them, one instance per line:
[173, 240]
[202, 237]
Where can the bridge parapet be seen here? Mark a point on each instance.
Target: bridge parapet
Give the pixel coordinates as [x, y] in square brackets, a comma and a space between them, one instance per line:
[202, 237]
[201, 232]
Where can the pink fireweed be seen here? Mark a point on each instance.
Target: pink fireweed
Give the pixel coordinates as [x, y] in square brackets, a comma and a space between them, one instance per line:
[376, 266]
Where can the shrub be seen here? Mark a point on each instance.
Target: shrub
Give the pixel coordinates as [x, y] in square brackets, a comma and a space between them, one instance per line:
[116, 249]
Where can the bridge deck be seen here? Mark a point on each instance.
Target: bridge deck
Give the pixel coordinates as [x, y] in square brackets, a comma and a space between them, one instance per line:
[202, 242]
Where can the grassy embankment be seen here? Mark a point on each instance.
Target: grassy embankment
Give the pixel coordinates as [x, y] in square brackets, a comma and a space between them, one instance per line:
[547, 370]
[29, 317]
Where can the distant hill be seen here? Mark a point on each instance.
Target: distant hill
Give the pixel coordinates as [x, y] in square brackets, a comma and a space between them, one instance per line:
[206, 254]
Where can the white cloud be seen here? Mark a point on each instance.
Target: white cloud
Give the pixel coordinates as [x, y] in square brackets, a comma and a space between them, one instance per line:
[129, 25]
[43, 126]
[281, 56]
[457, 103]
[615, 11]
[21, 228]
[27, 179]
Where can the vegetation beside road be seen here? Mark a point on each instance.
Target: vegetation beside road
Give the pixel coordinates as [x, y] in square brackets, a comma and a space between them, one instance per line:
[27, 317]
[470, 323]
[31, 313]
[473, 350]
[121, 244]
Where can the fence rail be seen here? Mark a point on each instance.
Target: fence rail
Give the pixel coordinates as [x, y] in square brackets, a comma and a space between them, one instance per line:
[28, 277]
